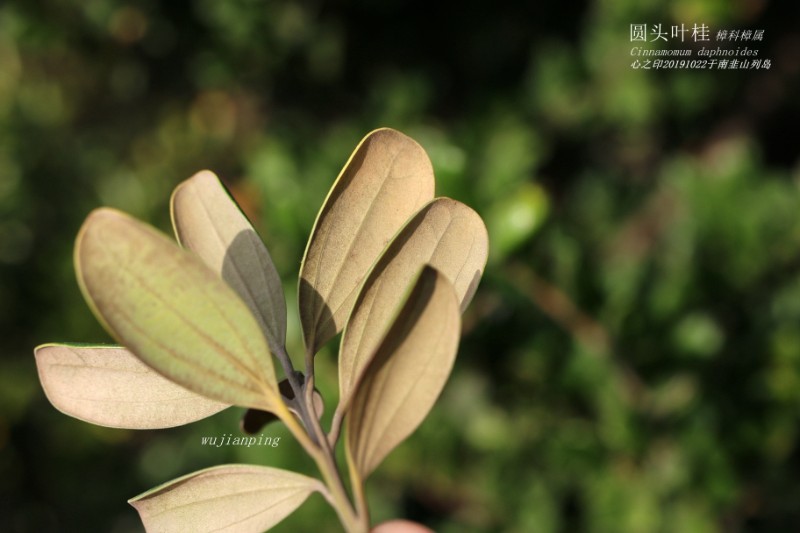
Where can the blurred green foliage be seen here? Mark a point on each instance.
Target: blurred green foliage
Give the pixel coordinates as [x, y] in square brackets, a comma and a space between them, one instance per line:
[631, 362]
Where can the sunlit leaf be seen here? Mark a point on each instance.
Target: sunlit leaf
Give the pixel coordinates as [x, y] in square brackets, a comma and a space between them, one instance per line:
[109, 386]
[172, 311]
[231, 498]
[408, 372]
[208, 222]
[446, 234]
[386, 180]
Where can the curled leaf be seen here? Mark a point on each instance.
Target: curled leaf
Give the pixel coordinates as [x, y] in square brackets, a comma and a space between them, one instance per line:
[255, 419]
[208, 222]
[172, 312]
[232, 498]
[109, 386]
[407, 374]
[445, 234]
[386, 180]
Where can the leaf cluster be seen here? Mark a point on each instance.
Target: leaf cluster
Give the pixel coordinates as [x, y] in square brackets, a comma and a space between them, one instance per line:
[202, 324]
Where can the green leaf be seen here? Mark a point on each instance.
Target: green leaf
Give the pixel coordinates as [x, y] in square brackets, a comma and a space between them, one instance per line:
[109, 386]
[407, 374]
[386, 180]
[208, 222]
[232, 498]
[171, 311]
[445, 234]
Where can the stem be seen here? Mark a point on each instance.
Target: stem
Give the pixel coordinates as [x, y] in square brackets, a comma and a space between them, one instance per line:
[353, 521]
[299, 433]
[314, 441]
[361, 513]
[309, 361]
[358, 487]
[291, 376]
[336, 425]
[286, 364]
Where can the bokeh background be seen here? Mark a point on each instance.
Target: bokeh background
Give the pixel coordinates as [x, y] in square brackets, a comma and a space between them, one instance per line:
[631, 362]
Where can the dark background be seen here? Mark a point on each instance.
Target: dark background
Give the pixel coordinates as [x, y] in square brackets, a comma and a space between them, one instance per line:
[631, 362]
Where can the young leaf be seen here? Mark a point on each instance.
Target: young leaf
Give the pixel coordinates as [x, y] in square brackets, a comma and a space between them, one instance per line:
[254, 419]
[446, 234]
[232, 498]
[208, 222]
[109, 386]
[172, 312]
[408, 372]
[387, 178]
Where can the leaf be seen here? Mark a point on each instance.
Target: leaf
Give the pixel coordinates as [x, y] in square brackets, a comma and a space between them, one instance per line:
[407, 373]
[386, 180]
[253, 420]
[109, 386]
[232, 498]
[208, 222]
[171, 311]
[446, 234]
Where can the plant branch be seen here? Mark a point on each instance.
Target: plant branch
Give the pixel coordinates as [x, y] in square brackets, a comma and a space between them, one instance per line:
[336, 425]
[309, 362]
[352, 520]
[314, 441]
[297, 389]
[286, 364]
[358, 486]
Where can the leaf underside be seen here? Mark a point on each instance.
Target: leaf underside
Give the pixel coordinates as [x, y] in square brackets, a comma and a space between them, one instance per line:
[228, 498]
[109, 386]
[386, 180]
[208, 222]
[445, 234]
[172, 311]
[407, 374]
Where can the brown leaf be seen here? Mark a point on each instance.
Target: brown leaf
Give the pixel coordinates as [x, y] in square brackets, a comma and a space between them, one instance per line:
[407, 374]
[109, 386]
[208, 222]
[445, 234]
[232, 498]
[387, 178]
